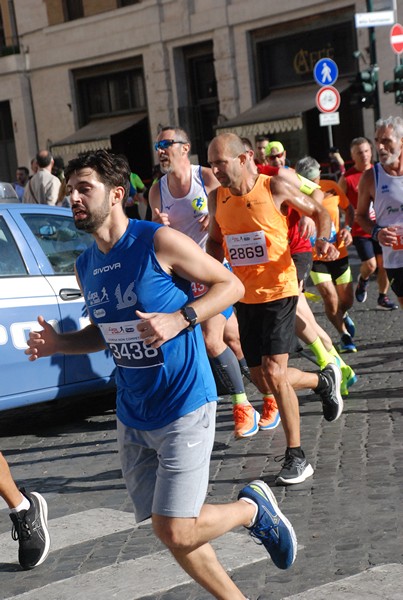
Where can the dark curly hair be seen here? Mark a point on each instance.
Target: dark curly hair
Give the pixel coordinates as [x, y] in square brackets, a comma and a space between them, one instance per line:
[113, 169]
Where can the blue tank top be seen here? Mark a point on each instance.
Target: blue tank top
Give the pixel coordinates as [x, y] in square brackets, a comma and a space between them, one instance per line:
[154, 386]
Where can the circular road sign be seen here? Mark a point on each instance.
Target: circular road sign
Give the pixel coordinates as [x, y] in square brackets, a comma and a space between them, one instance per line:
[396, 38]
[328, 99]
[325, 71]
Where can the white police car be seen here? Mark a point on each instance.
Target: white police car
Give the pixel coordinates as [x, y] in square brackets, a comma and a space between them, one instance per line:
[7, 193]
[38, 248]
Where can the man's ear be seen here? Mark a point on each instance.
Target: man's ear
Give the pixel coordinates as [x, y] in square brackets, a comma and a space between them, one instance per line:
[186, 148]
[243, 157]
[118, 193]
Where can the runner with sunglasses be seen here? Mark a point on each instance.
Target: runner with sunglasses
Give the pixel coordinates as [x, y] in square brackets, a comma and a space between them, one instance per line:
[179, 200]
[276, 155]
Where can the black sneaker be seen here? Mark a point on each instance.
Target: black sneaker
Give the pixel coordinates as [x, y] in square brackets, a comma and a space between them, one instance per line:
[332, 401]
[294, 469]
[30, 528]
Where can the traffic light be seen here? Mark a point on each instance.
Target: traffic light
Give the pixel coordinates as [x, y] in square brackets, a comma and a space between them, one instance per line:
[364, 89]
[398, 72]
[395, 86]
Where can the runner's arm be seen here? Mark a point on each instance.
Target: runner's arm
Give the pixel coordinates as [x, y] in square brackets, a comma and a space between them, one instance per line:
[285, 192]
[215, 240]
[48, 342]
[179, 254]
[154, 199]
[366, 192]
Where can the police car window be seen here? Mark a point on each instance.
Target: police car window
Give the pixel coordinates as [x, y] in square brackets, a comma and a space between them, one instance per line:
[59, 239]
[11, 262]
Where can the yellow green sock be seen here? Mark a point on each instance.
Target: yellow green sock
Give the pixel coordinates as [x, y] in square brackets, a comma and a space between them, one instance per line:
[339, 360]
[239, 399]
[323, 357]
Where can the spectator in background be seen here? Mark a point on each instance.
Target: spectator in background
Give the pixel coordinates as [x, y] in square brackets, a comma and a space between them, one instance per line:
[260, 151]
[34, 167]
[21, 176]
[58, 168]
[336, 165]
[43, 187]
[136, 205]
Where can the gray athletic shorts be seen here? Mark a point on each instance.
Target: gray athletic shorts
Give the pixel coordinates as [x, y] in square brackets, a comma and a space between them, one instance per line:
[167, 470]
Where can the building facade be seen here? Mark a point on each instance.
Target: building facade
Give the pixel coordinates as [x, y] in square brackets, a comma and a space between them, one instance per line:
[83, 74]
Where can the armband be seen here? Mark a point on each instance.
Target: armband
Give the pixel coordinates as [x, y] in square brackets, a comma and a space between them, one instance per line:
[307, 186]
[375, 232]
[324, 239]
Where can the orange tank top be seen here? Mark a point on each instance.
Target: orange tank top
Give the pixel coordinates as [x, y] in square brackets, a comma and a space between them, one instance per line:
[256, 243]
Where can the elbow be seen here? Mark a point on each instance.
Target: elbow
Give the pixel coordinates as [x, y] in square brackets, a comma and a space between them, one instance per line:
[238, 289]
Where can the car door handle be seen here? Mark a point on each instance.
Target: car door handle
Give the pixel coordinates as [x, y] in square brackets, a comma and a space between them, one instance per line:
[70, 294]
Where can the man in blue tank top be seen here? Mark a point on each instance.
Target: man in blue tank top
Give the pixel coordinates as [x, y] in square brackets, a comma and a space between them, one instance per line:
[136, 281]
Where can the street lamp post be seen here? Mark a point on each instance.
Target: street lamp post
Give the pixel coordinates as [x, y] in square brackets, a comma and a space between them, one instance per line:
[372, 55]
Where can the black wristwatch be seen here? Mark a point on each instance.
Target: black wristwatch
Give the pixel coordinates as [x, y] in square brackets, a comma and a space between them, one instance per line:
[190, 316]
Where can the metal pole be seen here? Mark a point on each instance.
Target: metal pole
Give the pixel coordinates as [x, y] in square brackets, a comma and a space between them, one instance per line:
[372, 54]
[397, 58]
[330, 134]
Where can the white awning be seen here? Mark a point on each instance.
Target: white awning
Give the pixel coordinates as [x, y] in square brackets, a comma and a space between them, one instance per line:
[281, 111]
[95, 135]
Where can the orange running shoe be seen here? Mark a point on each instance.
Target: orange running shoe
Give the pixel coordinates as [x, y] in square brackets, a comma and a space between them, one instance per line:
[270, 418]
[246, 420]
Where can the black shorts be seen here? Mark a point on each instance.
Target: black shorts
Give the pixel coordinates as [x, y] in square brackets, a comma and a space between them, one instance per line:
[395, 277]
[366, 248]
[337, 271]
[303, 264]
[267, 329]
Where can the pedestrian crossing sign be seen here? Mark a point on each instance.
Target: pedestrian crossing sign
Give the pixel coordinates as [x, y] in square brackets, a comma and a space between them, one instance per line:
[325, 71]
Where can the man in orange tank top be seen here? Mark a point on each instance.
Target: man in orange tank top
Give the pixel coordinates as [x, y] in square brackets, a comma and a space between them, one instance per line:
[248, 221]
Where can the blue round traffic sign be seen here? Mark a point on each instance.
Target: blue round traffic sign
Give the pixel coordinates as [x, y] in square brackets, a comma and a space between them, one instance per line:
[325, 71]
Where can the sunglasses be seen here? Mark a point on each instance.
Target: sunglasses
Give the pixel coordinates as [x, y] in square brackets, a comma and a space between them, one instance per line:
[274, 156]
[164, 144]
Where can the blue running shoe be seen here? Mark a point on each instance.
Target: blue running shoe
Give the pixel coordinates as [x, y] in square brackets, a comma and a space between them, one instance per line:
[361, 291]
[346, 344]
[385, 304]
[350, 325]
[271, 527]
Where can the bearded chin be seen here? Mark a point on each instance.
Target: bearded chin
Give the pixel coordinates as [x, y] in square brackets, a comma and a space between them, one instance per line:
[392, 159]
[86, 225]
[95, 221]
[166, 170]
